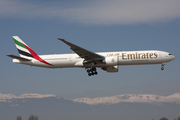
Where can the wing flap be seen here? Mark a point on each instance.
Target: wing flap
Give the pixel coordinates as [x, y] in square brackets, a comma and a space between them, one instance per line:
[83, 53]
[19, 58]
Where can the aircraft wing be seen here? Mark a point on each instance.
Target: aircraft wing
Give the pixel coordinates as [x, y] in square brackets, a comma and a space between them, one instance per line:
[83, 53]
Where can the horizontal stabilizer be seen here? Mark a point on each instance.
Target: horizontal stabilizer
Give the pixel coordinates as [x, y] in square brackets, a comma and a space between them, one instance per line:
[19, 58]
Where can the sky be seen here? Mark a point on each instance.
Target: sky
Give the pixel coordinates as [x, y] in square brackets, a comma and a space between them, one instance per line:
[98, 26]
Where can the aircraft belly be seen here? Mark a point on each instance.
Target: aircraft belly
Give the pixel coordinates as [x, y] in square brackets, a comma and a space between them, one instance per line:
[63, 63]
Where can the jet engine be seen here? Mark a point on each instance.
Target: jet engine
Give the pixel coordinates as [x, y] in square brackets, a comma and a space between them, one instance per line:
[111, 69]
[111, 60]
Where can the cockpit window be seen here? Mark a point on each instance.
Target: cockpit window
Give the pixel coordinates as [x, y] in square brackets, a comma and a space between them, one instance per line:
[170, 54]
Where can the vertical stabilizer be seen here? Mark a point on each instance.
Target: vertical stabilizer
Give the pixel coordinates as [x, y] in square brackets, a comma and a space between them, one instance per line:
[22, 48]
[26, 52]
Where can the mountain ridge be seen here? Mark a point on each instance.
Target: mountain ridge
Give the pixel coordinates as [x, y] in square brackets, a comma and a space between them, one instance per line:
[51, 107]
[8, 97]
[141, 98]
[131, 98]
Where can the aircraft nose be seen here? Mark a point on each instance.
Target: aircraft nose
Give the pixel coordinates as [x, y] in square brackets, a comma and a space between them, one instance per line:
[173, 57]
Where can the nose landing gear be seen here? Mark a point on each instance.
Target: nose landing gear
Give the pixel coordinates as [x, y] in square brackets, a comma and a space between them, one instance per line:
[92, 71]
[162, 68]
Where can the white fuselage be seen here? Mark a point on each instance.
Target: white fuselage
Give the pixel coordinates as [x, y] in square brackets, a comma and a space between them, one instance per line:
[111, 59]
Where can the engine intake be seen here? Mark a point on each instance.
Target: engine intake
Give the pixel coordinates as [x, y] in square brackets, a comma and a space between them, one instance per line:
[111, 61]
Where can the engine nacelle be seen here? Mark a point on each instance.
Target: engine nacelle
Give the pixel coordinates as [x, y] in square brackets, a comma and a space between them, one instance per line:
[111, 69]
[111, 60]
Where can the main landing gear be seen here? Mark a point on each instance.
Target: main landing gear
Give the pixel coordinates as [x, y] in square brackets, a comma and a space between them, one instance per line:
[162, 68]
[91, 71]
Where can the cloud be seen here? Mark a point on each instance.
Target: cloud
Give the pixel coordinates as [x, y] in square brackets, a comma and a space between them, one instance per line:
[105, 12]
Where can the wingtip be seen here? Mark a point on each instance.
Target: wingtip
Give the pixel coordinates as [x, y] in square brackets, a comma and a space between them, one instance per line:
[61, 39]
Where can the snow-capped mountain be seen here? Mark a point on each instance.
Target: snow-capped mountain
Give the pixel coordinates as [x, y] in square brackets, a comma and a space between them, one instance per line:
[138, 98]
[131, 98]
[125, 107]
[8, 97]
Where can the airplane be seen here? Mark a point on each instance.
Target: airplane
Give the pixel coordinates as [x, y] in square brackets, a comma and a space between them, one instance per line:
[82, 58]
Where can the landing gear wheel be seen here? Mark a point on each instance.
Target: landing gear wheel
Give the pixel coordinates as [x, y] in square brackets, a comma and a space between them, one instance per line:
[92, 71]
[162, 68]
